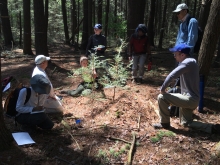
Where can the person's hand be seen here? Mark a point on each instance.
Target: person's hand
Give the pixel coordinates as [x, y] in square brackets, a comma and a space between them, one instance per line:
[38, 108]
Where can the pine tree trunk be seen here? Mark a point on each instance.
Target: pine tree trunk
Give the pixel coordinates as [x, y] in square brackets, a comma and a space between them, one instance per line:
[210, 38]
[6, 25]
[216, 63]
[106, 17]
[204, 13]
[73, 20]
[151, 22]
[5, 135]
[66, 32]
[85, 35]
[27, 28]
[40, 28]
[90, 26]
[99, 12]
[163, 25]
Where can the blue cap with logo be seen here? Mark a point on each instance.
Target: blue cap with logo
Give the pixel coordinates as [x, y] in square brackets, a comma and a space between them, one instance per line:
[98, 26]
[181, 48]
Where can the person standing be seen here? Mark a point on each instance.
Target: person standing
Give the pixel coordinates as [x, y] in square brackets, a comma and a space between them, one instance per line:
[52, 103]
[188, 99]
[97, 42]
[188, 29]
[139, 51]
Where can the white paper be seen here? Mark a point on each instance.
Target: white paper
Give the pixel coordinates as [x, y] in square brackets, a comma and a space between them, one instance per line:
[22, 138]
[7, 87]
[38, 112]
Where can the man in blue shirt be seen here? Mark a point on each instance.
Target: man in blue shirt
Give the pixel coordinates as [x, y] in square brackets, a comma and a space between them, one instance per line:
[188, 30]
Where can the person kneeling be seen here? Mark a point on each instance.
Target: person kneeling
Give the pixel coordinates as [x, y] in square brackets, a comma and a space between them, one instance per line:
[32, 113]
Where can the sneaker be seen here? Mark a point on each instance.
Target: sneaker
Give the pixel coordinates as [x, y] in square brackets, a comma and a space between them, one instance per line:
[161, 125]
[216, 128]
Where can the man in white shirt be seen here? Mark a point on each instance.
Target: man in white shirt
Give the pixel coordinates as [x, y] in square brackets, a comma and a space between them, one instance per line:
[52, 103]
[32, 113]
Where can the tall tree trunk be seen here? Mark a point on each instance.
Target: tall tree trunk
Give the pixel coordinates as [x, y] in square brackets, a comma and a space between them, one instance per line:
[85, 34]
[40, 28]
[194, 8]
[135, 15]
[210, 38]
[73, 21]
[99, 12]
[20, 27]
[106, 17]
[204, 13]
[151, 22]
[5, 135]
[65, 22]
[27, 28]
[46, 15]
[163, 25]
[6, 25]
[216, 63]
[78, 8]
[90, 26]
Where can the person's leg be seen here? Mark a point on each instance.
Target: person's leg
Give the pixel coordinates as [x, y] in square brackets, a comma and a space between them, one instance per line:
[179, 100]
[76, 92]
[135, 66]
[39, 119]
[142, 60]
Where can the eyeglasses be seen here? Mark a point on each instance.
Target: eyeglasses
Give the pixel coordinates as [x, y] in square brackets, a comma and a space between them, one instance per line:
[178, 13]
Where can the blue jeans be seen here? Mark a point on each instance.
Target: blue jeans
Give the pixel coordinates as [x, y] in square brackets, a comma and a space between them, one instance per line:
[138, 65]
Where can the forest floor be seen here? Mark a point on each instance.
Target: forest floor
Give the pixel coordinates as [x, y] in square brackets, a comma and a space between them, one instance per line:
[108, 126]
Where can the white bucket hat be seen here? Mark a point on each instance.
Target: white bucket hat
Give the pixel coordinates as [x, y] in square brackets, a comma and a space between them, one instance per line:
[180, 7]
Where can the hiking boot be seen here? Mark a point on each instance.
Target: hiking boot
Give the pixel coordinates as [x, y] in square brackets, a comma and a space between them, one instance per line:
[161, 125]
[216, 128]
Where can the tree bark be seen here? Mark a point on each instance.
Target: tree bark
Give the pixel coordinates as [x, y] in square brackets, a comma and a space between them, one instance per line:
[73, 20]
[135, 15]
[204, 13]
[99, 12]
[151, 22]
[6, 25]
[163, 25]
[5, 135]
[27, 28]
[216, 63]
[66, 32]
[40, 28]
[90, 26]
[106, 18]
[210, 38]
[85, 34]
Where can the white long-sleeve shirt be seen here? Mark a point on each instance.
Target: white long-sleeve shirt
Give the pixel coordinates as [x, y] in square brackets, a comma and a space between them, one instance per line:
[38, 70]
[32, 102]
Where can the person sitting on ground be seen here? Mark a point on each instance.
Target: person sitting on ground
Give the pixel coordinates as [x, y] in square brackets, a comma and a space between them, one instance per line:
[188, 99]
[52, 103]
[29, 114]
[89, 79]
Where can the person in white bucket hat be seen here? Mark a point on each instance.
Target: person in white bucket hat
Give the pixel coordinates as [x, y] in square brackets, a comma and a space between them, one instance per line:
[52, 103]
[188, 30]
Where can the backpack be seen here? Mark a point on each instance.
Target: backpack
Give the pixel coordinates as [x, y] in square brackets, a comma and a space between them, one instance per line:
[200, 36]
[11, 101]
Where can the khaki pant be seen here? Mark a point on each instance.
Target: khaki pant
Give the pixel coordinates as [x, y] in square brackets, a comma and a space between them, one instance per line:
[187, 104]
[53, 105]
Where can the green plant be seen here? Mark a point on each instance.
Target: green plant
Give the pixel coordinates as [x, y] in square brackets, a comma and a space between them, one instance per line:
[162, 134]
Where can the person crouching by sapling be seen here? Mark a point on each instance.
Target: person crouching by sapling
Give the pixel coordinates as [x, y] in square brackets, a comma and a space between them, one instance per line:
[31, 115]
[89, 79]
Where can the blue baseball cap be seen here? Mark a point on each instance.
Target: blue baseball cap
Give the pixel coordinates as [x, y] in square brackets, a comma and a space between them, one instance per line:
[181, 48]
[98, 26]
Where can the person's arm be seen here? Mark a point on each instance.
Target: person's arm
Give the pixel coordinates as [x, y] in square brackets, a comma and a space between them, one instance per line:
[192, 32]
[89, 46]
[182, 68]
